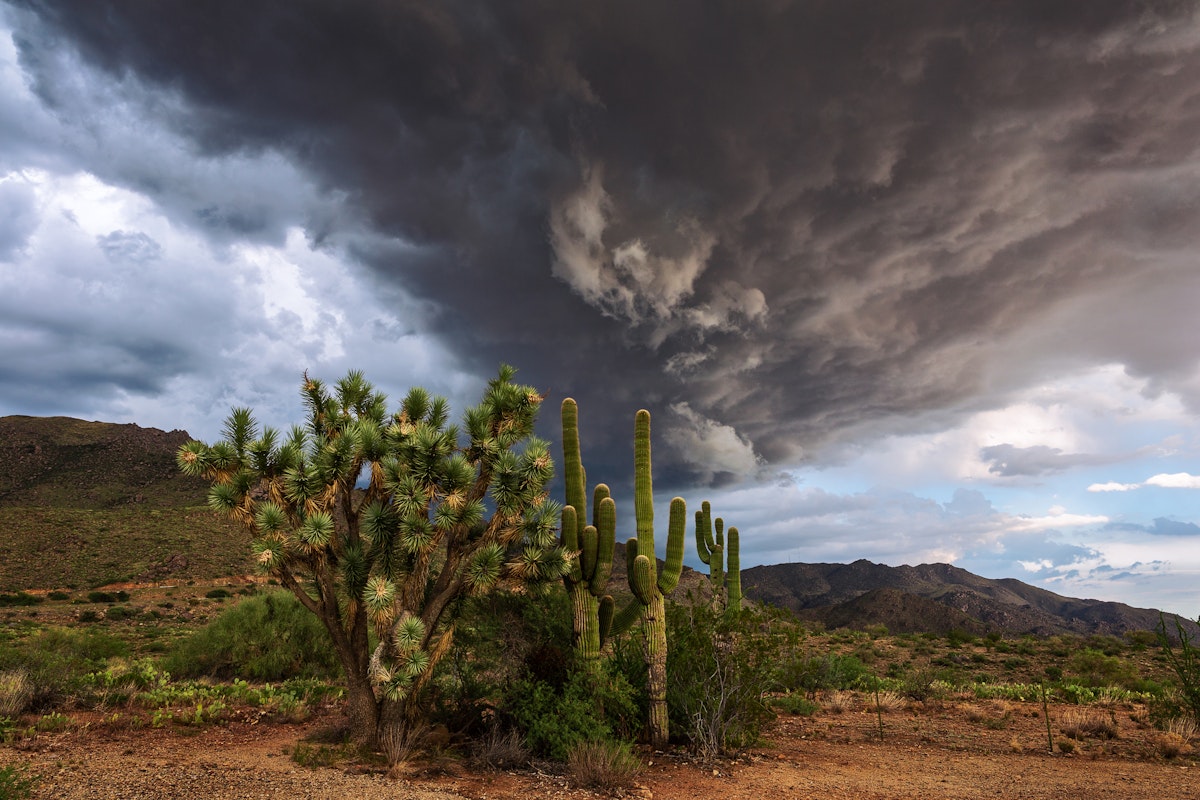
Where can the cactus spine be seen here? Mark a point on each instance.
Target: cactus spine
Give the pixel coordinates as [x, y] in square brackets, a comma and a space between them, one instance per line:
[591, 607]
[650, 586]
[713, 550]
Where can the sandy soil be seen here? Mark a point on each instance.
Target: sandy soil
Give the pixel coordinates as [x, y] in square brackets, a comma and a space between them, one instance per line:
[963, 750]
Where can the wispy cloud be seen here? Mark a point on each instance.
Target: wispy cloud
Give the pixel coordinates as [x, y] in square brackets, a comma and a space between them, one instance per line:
[1175, 480]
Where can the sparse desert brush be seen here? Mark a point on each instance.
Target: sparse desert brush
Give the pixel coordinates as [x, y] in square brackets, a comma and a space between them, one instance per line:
[838, 701]
[501, 750]
[16, 692]
[891, 701]
[973, 713]
[603, 764]
[1082, 723]
[1183, 727]
[1172, 745]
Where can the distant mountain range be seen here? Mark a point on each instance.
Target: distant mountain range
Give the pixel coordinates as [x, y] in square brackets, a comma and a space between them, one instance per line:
[64, 463]
[934, 597]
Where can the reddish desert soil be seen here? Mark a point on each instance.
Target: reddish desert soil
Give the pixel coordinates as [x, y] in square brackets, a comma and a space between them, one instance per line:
[962, 750]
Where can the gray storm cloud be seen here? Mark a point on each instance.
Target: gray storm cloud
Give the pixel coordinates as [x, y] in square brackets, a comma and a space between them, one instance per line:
[791, 219]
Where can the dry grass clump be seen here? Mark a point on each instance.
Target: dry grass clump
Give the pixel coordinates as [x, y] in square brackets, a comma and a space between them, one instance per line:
[1183, 727]
[838, 701]
[891, 701]
[501, 750]
[603, 765]
[16, 692]
[1172, 745]
[1082, 723]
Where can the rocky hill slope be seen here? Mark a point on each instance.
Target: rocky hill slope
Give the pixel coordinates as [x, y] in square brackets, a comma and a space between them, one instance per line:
[937, 597]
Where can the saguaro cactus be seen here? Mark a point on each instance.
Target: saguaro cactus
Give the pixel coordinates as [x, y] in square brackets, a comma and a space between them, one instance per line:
[726, 583]
[592, 607]
[648, 584]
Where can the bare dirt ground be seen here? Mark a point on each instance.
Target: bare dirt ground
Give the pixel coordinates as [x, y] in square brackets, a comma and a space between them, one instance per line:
[963, 750]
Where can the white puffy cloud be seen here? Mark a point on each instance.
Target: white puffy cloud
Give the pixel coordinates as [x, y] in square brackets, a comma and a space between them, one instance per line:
[1176, 480]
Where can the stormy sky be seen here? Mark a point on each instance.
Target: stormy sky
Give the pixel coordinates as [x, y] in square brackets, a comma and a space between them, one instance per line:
[901, 281]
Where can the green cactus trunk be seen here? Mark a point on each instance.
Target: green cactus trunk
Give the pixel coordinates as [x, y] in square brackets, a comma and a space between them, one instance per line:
[650, 587]
[733, 580]
[591, 608]
[726, 585]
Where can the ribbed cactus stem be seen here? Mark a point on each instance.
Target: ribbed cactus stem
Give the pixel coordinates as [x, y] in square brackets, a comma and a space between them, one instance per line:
[644, 572]
[643, 489]
[676, 530]
[704, 537]
[592, 609]
[733, 582]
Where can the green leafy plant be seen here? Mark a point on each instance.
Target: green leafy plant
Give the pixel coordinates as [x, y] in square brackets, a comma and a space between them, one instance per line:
[17, 782]
[722, 669]
[1183, 656]
[588, 708]
[268, 637]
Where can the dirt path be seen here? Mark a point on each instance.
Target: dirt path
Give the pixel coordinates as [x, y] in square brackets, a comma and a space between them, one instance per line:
[964, 752]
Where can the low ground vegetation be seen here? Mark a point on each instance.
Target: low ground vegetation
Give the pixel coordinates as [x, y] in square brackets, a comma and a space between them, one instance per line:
[508, 695]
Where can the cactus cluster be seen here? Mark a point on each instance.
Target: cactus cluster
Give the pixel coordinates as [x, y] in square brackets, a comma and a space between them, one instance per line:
[593, 620]
[716, 551]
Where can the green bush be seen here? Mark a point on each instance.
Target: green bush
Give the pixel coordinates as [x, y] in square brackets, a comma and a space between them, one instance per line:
[268, 637]
[1183, 656]
[18, 599]
[58, 661]
[16, 782]
[720, 667]
[811, 674]
[555, 722]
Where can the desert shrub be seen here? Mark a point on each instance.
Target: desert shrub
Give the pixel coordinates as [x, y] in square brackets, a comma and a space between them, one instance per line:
[603, 765]
[217, 594]
[16, 782]
[796, 704]
[957, 637]
[57, 661]
[812, 674]
[18, 599]
[500, 750]
[268, 637]
[500, 638]
[58, 595]
[1079, 724]
[1183, 656]
[1093, 668]
[118, 613]
[100, 597]
[721, 667]
[16, 692]
[586, 709]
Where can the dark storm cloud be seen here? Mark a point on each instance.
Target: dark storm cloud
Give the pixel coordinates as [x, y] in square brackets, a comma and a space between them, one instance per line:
[783, 220]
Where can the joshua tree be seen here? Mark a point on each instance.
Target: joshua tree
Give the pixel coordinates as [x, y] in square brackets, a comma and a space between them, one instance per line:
[384, 521]
[726, 584]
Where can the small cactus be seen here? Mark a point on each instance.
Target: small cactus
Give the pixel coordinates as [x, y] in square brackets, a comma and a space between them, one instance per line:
[713, 550]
